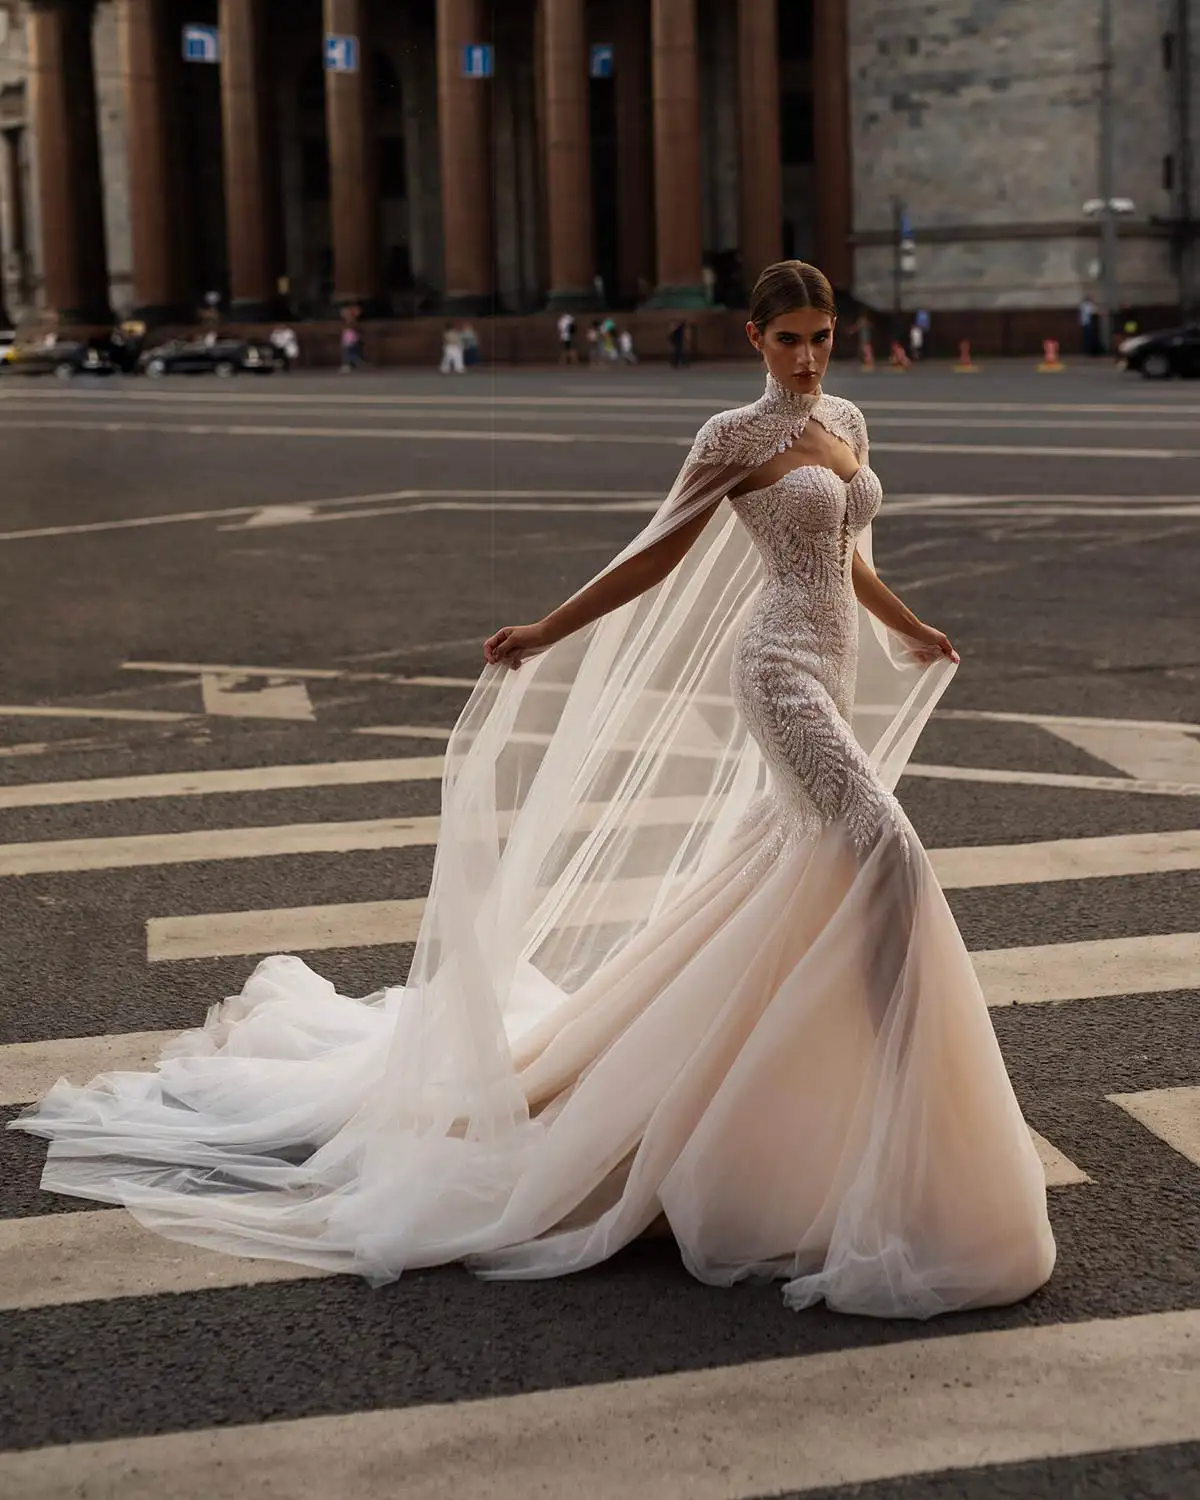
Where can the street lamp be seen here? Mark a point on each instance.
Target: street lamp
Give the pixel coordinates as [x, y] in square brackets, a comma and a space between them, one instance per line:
[1108, 211]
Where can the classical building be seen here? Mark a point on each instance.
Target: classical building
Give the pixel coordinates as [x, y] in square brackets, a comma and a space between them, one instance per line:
[436, 155]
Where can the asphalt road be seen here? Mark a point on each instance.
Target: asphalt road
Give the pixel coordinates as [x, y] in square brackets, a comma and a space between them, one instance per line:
[298, 572]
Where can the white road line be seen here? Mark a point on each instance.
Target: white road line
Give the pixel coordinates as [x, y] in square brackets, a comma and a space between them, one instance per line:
[1053, 778]
[137, 715]
[28, 1069]
[1060, 1170]
[967, 867]
[214, 783]
[287, 929]
[498, 435]
[848, 1417]
[1173, 1115]
[1079, 721]
[56, 1259]
[1089, 970]
[1158, 754]
[141, 851]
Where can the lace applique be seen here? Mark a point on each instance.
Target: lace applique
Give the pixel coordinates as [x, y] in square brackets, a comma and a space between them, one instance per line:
[795, 658]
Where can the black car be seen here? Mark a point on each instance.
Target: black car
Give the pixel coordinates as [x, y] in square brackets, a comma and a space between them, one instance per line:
[64, 358]
[223, 357]
[1158, 356]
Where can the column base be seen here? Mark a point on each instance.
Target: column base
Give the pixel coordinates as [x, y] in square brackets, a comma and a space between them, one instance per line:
[97, 316]
[256, 310]
[156, 314]
[469, 304]
[681, 296]
[369, 307]
[573, 299]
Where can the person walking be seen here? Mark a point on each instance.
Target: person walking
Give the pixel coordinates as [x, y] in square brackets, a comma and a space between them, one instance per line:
[567, 353]
[747, 1012]
[625, 347]
[453, 362]
[1089, 325]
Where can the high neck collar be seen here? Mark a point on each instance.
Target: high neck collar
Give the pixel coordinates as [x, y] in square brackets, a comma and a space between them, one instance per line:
[777, 397]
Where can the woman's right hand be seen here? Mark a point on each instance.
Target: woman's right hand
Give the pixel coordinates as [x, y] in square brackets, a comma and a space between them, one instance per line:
[510, 646]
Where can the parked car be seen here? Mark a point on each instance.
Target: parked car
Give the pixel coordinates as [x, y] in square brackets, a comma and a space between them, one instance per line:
[1157, 356]
[64, 358]
[224, 357]
[7, 336]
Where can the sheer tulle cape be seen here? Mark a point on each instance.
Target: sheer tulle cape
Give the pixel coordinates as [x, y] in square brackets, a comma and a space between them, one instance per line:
[543, 1085]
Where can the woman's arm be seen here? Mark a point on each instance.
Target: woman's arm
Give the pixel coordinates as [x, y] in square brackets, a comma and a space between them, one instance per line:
[625, 582]
[874, 595]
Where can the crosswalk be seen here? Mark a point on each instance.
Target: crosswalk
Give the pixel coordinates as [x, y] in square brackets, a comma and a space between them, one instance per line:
[53, 1261]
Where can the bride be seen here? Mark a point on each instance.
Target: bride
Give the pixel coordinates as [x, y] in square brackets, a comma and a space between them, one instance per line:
[684, 960]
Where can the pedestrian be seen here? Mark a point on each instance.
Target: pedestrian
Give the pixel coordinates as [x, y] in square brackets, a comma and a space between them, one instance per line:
[608, 341]
[593, 342]
[567, 353]
[864, 332]
[286, 346]
[352, 343]
[1089, 323]
[747, 1012]
[625, 347]
[452, 351]
[470, 345]
[916, 341]
[677, 338]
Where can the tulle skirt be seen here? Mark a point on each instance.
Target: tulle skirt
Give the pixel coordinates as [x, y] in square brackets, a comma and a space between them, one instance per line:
[793, 1065]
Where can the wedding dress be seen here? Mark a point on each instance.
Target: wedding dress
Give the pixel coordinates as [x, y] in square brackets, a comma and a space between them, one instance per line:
[683, 956]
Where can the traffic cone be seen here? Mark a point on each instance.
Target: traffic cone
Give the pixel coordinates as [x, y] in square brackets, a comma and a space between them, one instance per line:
[964, 365]
[1050, 362]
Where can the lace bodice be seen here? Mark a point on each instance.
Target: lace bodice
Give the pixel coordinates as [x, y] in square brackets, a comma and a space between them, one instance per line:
[796, 653]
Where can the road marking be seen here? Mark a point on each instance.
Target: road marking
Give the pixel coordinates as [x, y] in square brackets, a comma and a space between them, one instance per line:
[1080, 721]
[1089, 970]
[52, 1260]
[137, 715]
[1060, 1170]
[144, 850]
[28, 1069]
[214, 783]
[1053, 778]
[1173, 1115]
[502, 435]
[966, 866]
[287, 929]
[917, 1406]
[1159, 754]
[236, 695]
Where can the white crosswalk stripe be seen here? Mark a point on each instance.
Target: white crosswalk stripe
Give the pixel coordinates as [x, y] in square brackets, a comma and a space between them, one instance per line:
[1134, 1368]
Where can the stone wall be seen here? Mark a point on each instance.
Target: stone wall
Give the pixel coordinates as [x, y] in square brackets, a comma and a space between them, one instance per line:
[983, 116]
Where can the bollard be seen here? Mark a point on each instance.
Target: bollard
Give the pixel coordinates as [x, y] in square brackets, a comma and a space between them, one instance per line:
[964, 365]
[1050, 362]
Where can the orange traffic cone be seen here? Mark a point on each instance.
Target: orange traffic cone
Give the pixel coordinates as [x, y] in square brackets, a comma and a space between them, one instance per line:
[1050, 362]
[964, 365]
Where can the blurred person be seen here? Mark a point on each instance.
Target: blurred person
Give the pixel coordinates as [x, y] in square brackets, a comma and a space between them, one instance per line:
[286, 346]
[567, 353]
[470, 345]
[625, 347]
[1089, 324]
[453, 362]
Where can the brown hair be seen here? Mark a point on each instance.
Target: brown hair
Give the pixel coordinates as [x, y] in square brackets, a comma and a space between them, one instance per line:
[787, 286]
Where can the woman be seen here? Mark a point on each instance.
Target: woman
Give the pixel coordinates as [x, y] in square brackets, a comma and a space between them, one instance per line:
[683, 958]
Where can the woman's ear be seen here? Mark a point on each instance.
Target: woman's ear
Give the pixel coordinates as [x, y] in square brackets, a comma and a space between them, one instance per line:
[754, 336]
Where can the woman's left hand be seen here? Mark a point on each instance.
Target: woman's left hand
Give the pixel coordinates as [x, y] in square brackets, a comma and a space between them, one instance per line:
[929, 645]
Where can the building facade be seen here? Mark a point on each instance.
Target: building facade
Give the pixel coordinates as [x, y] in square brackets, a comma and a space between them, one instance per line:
[417, 156]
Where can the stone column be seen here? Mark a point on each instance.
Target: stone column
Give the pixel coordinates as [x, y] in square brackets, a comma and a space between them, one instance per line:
[761, 175]
[18, 226]
[832, 143]
[62, 86]
[676, 76]
[150, 51]
[465, 141]
[568, 155]
[10, 186]
[253, 201]
[353, 166]
[635, 160]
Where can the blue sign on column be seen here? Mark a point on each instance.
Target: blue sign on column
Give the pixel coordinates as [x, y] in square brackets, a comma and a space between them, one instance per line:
[341, 54]
[602, 60]
[201, 44]
[477, 60]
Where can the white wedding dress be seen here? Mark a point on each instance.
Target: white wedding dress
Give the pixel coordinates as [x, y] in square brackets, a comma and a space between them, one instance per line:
[684, 956]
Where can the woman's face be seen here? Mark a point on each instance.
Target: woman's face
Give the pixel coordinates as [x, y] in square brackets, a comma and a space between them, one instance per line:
[796, 347]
